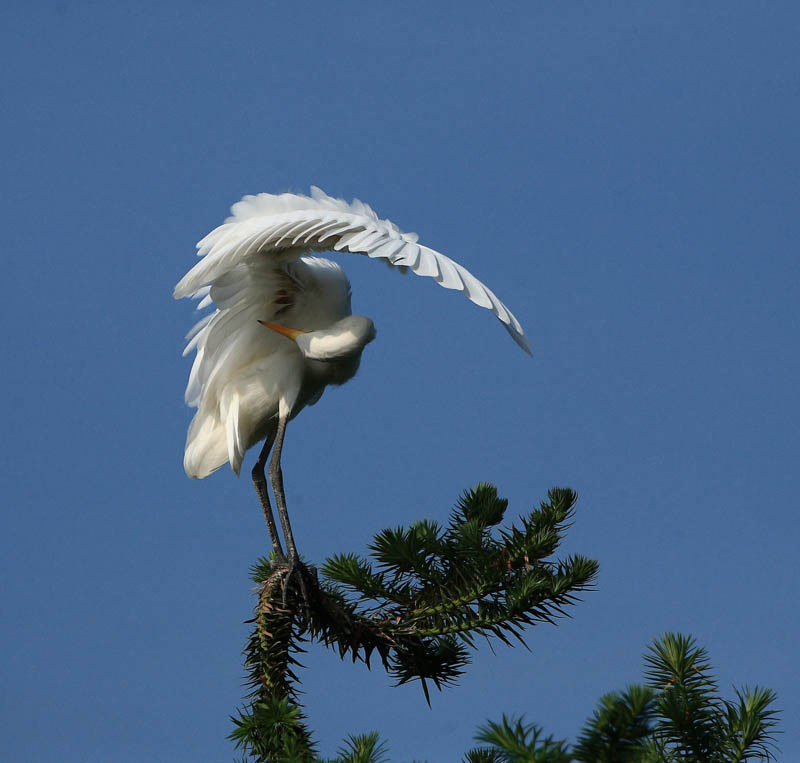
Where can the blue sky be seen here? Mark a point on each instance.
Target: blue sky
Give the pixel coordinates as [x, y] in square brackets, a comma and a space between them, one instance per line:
[623, 175]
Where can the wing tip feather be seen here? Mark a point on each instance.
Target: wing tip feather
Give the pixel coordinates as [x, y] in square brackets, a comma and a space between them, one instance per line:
[520, 339]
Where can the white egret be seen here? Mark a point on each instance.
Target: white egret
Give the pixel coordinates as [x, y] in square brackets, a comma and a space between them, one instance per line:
[248, 381]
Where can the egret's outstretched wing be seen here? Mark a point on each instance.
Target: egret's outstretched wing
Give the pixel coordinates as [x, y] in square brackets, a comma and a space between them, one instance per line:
[287, 224]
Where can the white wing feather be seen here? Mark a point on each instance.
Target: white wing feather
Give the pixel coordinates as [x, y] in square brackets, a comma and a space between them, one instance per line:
[284, 225]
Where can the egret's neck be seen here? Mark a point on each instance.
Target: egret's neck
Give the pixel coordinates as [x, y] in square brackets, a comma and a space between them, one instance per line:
[334, 354]
[335, 372]
[348, 336]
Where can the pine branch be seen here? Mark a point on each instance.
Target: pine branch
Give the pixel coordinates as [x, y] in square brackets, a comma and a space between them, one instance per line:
[464, 580]
[513, 741]
[687, 704]
[679, 716]
[619, 728]
[432, 590]
[749, 723]
[364, 748]
[436, 588]
[271, 727]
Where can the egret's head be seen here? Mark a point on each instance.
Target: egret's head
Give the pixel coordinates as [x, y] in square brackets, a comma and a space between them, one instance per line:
[345, 338]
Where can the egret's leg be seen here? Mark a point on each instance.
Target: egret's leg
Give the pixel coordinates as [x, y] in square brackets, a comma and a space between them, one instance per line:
[276, 478]
[260, 482]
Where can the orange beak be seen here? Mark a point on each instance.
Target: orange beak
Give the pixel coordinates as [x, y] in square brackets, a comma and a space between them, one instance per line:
[291, 333]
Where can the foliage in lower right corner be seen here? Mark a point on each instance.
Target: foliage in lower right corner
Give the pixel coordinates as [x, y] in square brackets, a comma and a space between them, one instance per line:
[677, 716]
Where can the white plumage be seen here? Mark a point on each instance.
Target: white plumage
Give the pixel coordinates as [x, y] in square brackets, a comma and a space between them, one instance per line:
[242, 370]
[248, 381]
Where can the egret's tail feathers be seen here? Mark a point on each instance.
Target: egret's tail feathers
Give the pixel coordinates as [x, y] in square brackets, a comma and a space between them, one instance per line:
[223, 435]
[233, 435]
[206, 446]
[242, 414]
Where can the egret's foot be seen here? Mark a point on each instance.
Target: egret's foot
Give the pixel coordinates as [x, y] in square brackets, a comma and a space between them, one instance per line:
[278, 560]
[298, 578]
